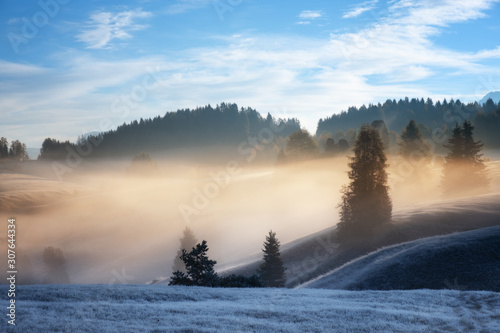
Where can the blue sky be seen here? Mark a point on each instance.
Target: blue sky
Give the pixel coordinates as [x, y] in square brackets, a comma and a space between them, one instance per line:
[71, 67]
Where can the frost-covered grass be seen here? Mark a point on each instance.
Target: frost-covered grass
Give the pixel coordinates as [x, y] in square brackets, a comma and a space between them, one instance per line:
[139, 308]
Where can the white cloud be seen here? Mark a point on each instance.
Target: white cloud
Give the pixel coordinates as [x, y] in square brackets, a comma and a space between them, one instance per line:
[487, 54]
[310, 14]
[106, 26]
[9, 68]
[360, 9]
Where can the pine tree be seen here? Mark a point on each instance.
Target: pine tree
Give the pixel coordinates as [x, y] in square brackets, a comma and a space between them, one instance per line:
[272, 271]
[365, 201]
[415, 151]
[452, 173]
[476, 169]
[200, 269]
[412, 144]
[4, 148]
[464, 171]
[187, 242]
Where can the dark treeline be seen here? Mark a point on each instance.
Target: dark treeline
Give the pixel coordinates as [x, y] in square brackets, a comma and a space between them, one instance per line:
[427, 114]
[224, 124]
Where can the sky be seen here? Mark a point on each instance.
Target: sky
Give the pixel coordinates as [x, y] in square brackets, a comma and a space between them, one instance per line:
[72, 67]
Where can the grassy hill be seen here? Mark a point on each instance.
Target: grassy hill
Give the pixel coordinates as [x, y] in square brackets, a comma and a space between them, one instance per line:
[317, 254]
[467, 260]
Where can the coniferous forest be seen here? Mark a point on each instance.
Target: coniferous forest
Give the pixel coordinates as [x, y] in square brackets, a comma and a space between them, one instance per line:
[226, 125]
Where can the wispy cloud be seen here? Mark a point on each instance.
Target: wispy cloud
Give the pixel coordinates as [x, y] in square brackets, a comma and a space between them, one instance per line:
[310, 14]
[306, 16]
[103, 27]
[360, 9]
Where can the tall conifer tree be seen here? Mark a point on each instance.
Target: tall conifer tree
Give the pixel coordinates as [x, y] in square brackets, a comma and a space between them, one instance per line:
[272, 271]
[365, 201]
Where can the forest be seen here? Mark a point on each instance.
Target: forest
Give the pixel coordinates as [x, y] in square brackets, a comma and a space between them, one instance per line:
[427, 114]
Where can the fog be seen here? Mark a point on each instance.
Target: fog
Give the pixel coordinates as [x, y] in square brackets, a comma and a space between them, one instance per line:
[116, 227]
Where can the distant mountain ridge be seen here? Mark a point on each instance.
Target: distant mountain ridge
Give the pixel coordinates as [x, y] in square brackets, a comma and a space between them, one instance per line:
[494, 95]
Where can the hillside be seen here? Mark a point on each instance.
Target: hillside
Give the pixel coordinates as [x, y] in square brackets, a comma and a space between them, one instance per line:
[429, 116]
[468, 260]
[139, 308]
[317, 254]
[201, 128]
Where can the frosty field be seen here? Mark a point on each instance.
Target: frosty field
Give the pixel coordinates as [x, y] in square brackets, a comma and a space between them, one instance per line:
[139, 308]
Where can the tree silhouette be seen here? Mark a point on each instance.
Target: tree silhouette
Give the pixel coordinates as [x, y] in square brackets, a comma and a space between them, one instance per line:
[4, 148]
[414, 150]
[53, 149]
[380, 126]
[300, 145]
[272, 271]
[200, 269]
[464, 171]
[54, 261]
[187, 242]
[365, 201]
[17, 151]
[143, 165]
[412, 145]
[330, 146]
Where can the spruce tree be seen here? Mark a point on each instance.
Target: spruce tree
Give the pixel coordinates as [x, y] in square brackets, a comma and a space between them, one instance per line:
[464, 171]
[476, 169]
[365, 202]
[412, 144]
[272, 271]
[200, 269]
[4, 148]
[415, 152]
[452, 172]
[187, 242]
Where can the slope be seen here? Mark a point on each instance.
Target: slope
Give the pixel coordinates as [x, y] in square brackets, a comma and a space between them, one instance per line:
[470, 260]
[318, 254]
